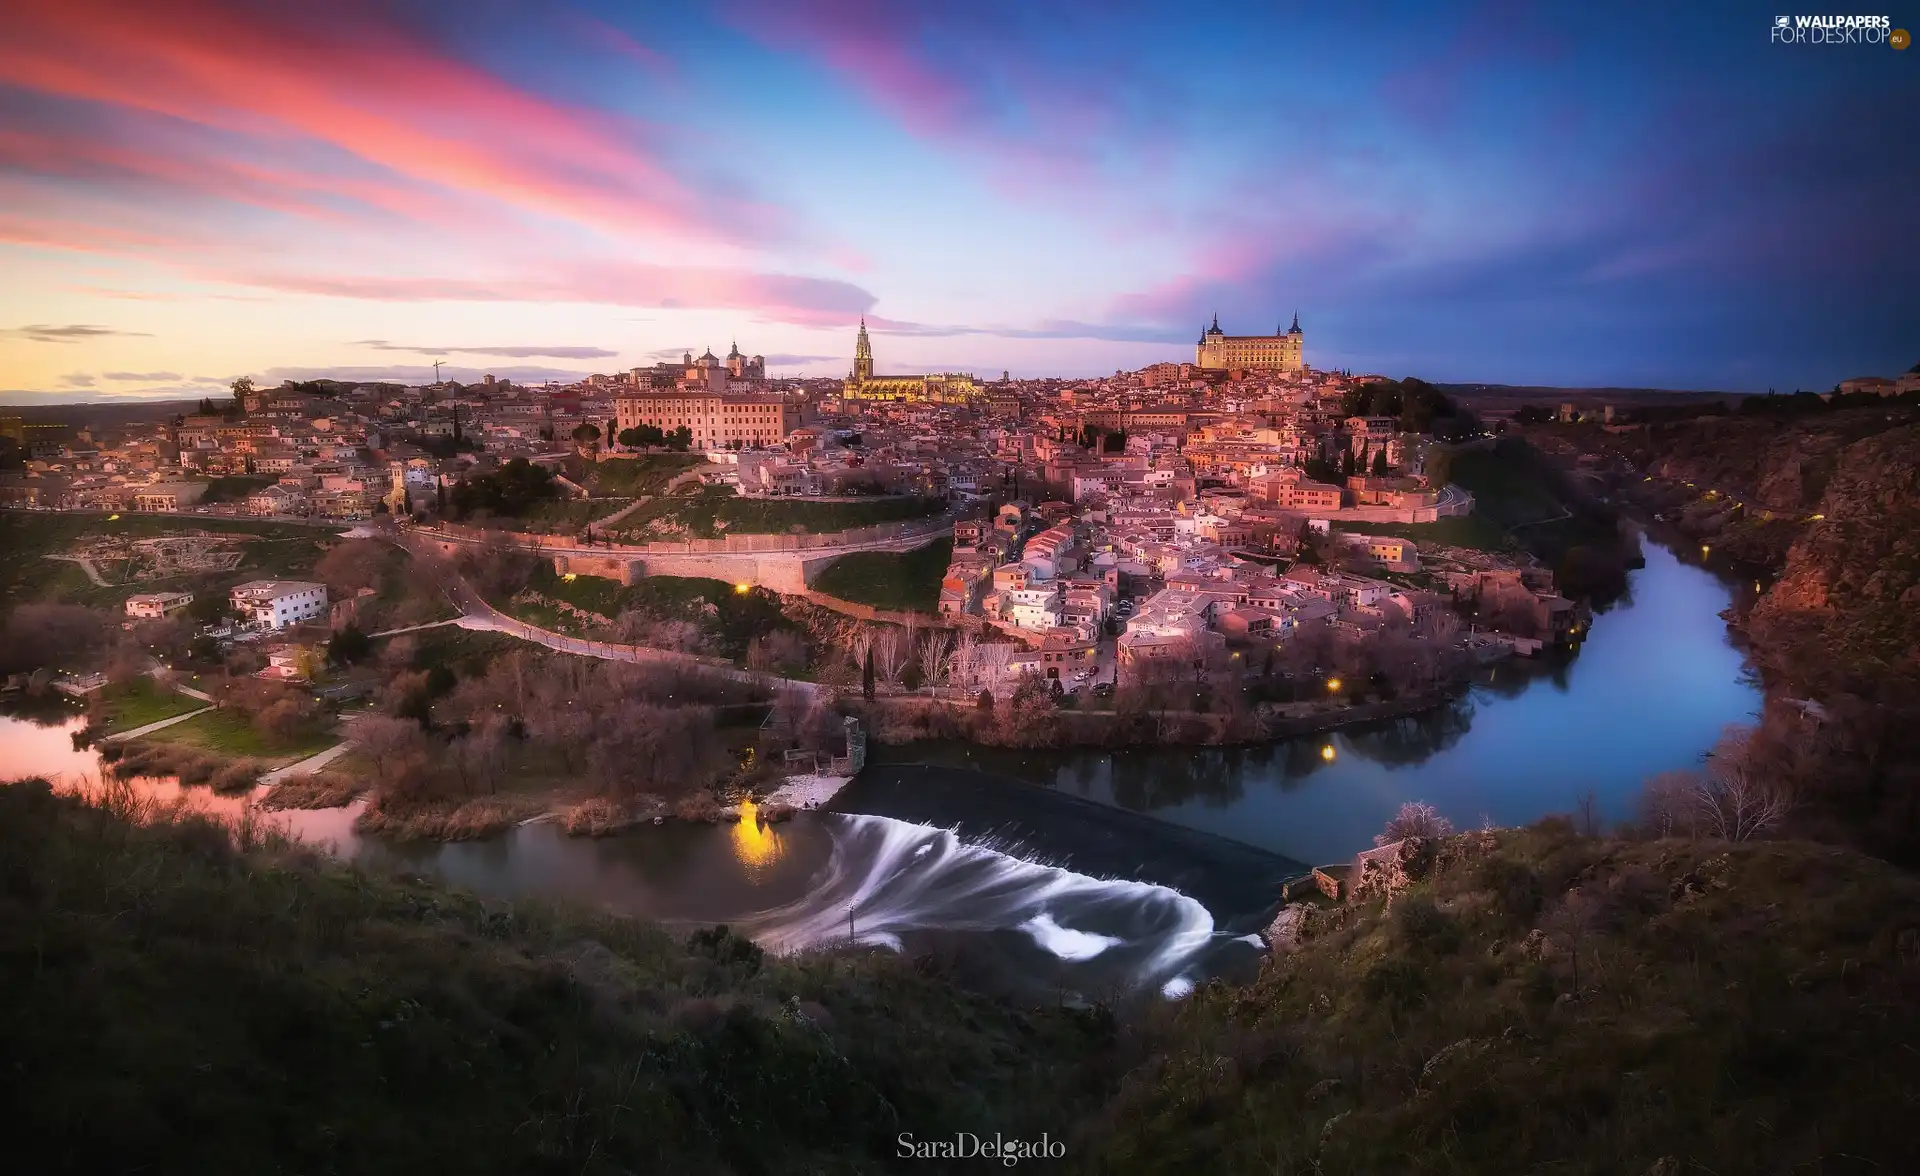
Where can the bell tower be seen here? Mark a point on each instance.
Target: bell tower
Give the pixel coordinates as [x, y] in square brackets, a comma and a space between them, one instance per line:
[862, 354]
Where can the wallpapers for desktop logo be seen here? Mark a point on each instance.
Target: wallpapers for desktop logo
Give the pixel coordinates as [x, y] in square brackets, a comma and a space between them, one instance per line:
[1838, 30]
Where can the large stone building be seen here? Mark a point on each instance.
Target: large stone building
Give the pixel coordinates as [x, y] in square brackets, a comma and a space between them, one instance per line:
[862, 384]
[707, 370]
[717, 420]
[1281, 351]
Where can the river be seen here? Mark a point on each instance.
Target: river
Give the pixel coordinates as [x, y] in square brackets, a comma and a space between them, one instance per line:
[1649, 690]
[1145, 869]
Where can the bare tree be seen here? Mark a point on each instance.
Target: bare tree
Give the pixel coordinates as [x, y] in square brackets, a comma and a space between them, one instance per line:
[1665, 808]
[1572, 923]
[933, 656]
[1586, 813]
[859, 643]
[961, 665]
[891, 653]
[1735, 799]
[478, 757]
[388, 744]
[1414, 819]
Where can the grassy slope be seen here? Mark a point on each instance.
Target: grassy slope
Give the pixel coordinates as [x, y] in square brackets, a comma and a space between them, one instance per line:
[901, 580]
[26, 539]
[712, 514]
[732, 618]
[172, 1005]
[1767, 1022]
[632, 477]
[1509, 483]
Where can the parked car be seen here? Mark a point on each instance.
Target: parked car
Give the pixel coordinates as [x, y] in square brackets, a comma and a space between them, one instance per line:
[1103, 690]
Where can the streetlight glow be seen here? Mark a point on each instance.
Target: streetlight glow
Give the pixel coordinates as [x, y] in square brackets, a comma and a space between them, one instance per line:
[1326, 752]
[743, 589]
[1333, 685]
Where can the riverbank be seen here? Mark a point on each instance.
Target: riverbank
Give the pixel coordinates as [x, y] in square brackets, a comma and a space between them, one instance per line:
[902, 720]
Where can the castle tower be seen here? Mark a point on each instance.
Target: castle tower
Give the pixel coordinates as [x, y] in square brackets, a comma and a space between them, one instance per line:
[862, 354]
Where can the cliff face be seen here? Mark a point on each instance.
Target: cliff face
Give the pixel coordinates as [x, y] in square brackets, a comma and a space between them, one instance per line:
[1845, 613]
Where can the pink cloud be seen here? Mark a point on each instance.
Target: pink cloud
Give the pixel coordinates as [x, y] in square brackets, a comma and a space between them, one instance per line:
[786, 298]
[364, 87]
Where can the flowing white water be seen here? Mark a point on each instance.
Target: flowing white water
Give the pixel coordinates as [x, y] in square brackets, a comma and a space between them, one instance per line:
[896, 878]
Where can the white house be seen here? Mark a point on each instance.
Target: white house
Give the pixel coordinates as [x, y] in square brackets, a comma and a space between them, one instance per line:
[275, 604]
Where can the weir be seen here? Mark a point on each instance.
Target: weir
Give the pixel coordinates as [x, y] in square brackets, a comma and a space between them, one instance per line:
[1240, 884]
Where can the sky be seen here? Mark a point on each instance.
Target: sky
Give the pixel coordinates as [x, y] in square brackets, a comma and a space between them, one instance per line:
[1586, 195]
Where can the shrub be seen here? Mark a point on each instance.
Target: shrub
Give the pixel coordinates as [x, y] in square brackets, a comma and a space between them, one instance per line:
[1422, 922]
[1515, 886]
[1396, 981]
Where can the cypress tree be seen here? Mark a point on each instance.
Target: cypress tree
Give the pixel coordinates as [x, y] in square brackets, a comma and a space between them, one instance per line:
[866, 677]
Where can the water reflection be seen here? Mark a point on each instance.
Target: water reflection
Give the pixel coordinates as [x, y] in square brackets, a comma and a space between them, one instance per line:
[1647, 691]
[756, 843]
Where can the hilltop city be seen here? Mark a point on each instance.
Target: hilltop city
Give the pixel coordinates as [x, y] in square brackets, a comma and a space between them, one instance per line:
[1239, 516]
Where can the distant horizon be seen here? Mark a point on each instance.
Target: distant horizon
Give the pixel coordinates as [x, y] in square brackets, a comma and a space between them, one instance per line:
[1552, 195]
[132, 400]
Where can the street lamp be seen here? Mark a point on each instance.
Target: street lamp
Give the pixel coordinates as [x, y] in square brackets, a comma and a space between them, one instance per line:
[1327, 752]
[1333, 685]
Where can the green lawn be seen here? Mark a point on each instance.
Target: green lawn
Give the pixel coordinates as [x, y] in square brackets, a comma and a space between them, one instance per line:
[143, 702]
[716, 513]
[1475, 530]
[907, 581]
[230, 733]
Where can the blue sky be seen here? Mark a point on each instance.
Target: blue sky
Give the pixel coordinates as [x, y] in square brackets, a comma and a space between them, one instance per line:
[1628, 195]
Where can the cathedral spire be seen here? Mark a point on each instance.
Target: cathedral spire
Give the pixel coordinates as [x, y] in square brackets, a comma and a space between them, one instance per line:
[1296, 324]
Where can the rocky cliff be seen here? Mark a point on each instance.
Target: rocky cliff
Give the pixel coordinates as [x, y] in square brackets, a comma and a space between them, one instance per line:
[1845, 613]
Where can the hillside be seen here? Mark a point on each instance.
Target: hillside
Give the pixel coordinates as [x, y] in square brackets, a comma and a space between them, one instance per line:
[174, 1002]
[1823, 509]
[1544, 1002]
[1845, 612]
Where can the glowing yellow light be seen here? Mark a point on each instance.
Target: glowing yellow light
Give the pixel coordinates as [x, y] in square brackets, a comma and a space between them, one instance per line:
[755, 844]
[111, 518]
[569, 577]
[1810, 518]
[1704, 549]
[743, 589]
[1333, 685]
[1326, 753]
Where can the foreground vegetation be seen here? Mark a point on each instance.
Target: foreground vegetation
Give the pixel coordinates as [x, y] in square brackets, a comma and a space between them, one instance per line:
[1536, 1000]
[175, 1002]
